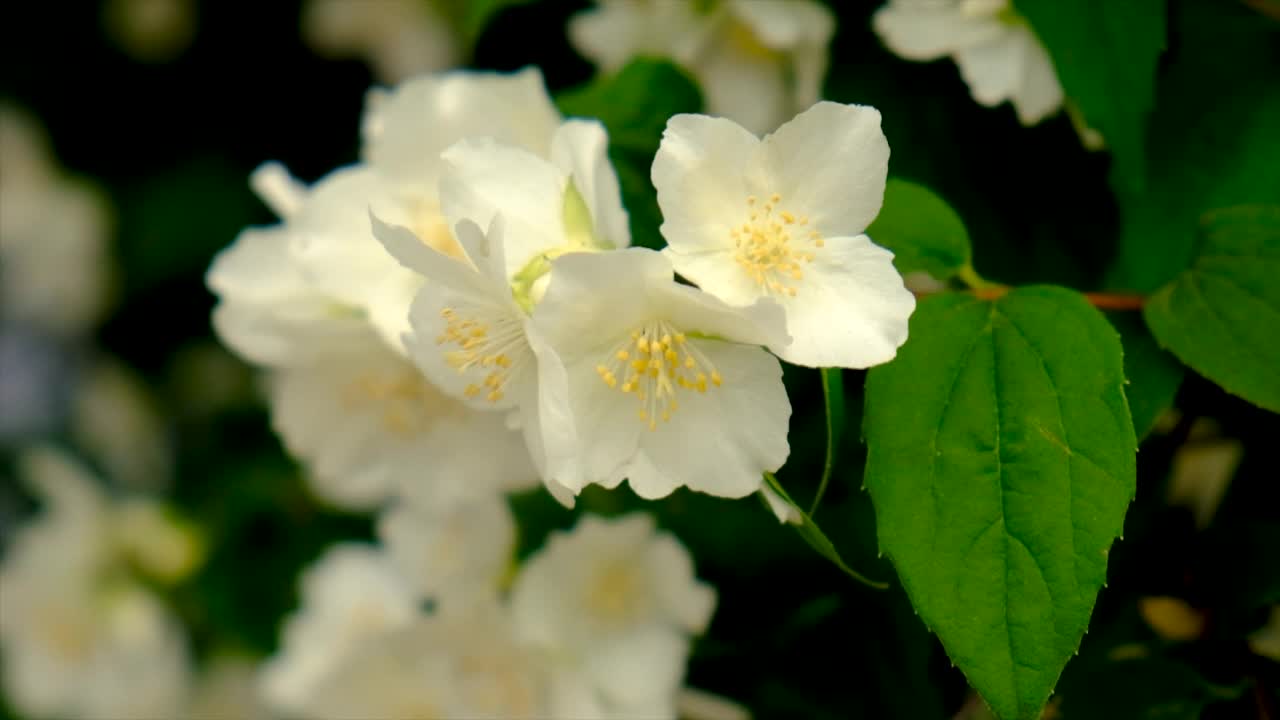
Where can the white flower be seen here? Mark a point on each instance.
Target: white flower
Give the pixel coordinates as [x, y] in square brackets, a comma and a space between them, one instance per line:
[665, 385]
[55, 269]
[999, 56]
[618, 602]
[80, 637]
[781, 218]
[349, 596]
[758, 61]
[370, 426]
[398, 38]
[453, 556]
[116, 420]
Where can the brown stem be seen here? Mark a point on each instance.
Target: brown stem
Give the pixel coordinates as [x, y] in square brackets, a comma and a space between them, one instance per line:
[1116, 301]
[1100, 300]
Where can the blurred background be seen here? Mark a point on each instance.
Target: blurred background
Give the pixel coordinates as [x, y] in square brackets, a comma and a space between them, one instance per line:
[130, 130]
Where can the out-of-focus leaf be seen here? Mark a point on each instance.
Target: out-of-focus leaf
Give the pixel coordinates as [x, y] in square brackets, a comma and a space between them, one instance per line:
[1212, 139]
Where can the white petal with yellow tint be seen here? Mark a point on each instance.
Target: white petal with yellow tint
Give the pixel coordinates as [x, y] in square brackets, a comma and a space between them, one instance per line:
[370, 425]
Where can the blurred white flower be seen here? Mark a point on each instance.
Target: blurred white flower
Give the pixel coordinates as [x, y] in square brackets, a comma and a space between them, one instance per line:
[652, 366]
[80, 637]
[55, 262]
[227, 689]
[370, 427]
[1202, 470]
[999, 55]
[757, 61]
[116, 420]
[397, 38]
[617, 602]
[351, 594]
[782, 218]
[453, 556]
[154, 31]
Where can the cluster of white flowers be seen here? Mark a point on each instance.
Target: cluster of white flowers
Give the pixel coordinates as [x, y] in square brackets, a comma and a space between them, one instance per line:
[758, 61]
[82, 634]
[460, 315]
[595, 625]
[517, 312]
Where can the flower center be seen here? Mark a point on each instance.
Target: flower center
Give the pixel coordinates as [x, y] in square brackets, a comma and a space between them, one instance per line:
[487, 339]
[773, 245]
[654, 363]
[613, 596]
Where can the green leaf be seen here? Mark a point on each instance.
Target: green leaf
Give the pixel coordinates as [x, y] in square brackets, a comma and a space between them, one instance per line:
[1105, 53]
[922, 230]
[817, 539]
[1220, 315]
[833, 401]
[1000, 463]
[635, 116]
[1154, 375]
[1212, 138]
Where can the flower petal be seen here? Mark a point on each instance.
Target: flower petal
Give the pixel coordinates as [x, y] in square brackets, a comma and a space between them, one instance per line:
[700, 175]
[550, 430]
[852, 310]
[692, 310]
[407, 248]
[745, 82]
[484, 179]
[424, 116]
[992, 70]
[927, 30]
[830, 163]
[580, 148]
[608, 429]
[1039, 95]
[718, 273]
[719, 442]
